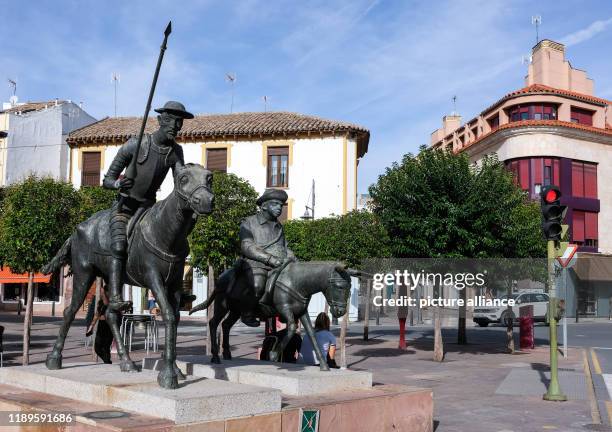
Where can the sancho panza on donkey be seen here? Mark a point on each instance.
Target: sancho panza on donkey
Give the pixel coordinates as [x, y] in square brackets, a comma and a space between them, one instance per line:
[151, 251]
[268, 281]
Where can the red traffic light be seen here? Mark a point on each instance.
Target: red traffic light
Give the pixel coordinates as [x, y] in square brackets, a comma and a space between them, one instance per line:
[551, 196]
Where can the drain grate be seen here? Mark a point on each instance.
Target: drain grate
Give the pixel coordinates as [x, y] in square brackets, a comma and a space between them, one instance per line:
[105, 415]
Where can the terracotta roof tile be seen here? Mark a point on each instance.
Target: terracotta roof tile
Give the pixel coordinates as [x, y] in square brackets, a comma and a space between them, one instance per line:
[264, 124]
[544, 89]
[32, 106]
[531, 123]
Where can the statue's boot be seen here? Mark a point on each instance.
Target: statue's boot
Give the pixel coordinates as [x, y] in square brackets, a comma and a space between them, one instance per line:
[115, 282]
[249, 319]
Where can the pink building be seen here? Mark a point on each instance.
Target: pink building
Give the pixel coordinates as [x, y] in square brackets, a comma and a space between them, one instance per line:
[552, 131]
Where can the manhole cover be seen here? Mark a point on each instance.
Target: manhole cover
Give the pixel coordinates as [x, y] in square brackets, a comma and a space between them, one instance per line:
[597, 427]
[105, 415]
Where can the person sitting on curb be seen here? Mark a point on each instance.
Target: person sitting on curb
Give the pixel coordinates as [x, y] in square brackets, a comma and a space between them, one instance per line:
[326, 341]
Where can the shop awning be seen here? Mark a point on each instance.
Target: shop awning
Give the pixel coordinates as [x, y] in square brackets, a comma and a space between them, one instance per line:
[593, 267]
[7, 276]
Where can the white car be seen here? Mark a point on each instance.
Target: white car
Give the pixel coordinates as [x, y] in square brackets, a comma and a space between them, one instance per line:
[485, 315]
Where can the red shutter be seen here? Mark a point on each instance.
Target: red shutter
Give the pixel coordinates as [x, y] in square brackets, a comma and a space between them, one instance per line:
[216, 159]
[590, 180]
[577, 179]
[578, 226]
[537, 171]
[556, 180]
[590, 225]
[524, 174]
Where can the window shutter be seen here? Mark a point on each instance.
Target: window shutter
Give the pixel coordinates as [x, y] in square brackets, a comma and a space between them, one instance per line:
[578, 226]
[590, 225]
[590, 180]
[216, 160]
[91, 169]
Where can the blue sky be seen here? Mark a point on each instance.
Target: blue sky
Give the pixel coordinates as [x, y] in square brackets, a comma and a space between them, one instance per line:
[392, 66]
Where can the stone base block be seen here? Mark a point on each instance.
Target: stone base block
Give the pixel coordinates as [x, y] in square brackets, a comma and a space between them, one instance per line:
[290, 379]
[197, 400]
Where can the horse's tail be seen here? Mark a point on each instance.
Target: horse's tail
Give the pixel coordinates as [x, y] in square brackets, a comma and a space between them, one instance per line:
[205, 304]
[61, 258]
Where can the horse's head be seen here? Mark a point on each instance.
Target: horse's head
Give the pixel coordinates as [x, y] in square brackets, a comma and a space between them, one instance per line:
[193, 184]
[339, 289]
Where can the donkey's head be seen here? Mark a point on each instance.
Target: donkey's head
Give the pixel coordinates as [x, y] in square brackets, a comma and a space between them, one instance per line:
[193, 184]
[339, 289]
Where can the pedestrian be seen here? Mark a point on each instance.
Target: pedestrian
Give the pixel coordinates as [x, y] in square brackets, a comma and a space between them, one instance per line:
[104, 335]
[151, 300]
[326, 341]
[271, 341]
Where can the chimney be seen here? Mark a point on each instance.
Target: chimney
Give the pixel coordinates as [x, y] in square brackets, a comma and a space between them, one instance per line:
[451, 123]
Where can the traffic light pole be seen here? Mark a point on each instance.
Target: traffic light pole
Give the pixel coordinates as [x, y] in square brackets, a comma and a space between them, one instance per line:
[554, 390]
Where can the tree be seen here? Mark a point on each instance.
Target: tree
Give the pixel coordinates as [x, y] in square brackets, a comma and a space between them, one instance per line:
[94, 199]
[38, 215]
[439, 205]
[214, 241]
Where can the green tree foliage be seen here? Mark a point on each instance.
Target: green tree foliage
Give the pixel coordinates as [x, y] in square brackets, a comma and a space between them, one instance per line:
[214, 240]
[93, 199]
[438, 204]
[38, 215]
[350, 238]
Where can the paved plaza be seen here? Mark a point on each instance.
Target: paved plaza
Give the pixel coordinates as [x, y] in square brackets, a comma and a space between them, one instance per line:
[478, 387]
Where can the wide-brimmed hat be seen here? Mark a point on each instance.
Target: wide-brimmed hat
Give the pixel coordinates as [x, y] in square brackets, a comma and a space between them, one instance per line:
[272, 194]
[176, 108]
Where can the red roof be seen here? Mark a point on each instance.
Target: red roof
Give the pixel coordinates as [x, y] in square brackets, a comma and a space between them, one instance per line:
[7, 276]
[531, 123]
[544, 89]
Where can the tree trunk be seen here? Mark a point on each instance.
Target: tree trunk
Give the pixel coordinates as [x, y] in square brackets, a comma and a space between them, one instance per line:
[366, 318]
[27, 321]
[510, 334]
[461, 330]
[94, 356]
[210, 287]
[343, 329]
[438, 354]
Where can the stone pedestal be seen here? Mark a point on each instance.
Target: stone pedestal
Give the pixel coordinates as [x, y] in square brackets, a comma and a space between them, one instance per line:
[290, 379]
[197, 400]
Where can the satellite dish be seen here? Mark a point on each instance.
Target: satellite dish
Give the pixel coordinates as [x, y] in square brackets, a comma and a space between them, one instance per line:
[13, 100]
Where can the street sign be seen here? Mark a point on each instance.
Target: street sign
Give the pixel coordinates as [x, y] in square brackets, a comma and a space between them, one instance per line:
[566, 259]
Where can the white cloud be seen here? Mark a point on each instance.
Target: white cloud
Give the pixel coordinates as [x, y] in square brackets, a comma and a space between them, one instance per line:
[586, 33]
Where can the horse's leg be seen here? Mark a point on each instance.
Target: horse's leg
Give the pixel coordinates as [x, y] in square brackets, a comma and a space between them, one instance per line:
[228, 322]
[220, 310]
[82, 280]
[126, 364]
[175, 300]
[305, 319]
[291, 329]
[167, 377]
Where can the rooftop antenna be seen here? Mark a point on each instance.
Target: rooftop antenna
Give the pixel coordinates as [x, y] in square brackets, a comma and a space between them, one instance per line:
[13, 99]
[115, 78]
[307, 212]
[537, 21]
[454, 105]
[265, 101]
[526, 59]
[231, 78]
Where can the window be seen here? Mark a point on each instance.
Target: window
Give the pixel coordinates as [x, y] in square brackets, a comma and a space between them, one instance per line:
[584, 228]
[532, 111]
[91, 169]
[278, 167]
[584, 179]
[582, 116]
[43, 292]
[533, 173]
[216, 159]
[493, 122]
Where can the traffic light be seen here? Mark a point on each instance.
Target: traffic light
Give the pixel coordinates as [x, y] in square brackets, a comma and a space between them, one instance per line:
[552, 212]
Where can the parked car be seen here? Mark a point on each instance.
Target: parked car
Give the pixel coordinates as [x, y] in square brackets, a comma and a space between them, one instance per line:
[483, 316]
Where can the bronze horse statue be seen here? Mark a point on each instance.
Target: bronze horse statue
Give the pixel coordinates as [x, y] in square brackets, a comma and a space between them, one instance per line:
[294, 285]
[156, 259]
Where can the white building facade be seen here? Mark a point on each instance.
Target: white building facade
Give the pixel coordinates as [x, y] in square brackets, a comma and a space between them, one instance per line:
[275, 149]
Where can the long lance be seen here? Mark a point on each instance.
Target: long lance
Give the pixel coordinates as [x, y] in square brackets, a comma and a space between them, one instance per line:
[130, 172]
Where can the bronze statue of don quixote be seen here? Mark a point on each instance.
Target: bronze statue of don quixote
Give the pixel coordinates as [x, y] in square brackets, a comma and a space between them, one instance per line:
[143, 242]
